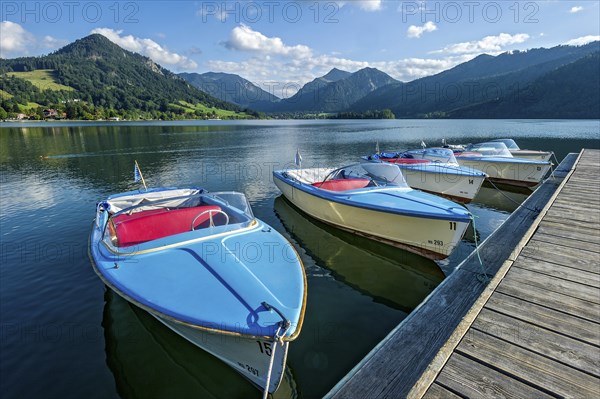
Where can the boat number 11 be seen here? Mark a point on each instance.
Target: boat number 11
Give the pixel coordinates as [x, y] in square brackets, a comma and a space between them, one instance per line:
[265, 347]
[452, 225]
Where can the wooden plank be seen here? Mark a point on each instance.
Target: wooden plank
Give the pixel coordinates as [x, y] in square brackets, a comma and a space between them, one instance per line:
[588, 198]
[436, 391]
[577, 208]
[577, 195]
[588, 207]
[562, 255]
[583, 292]
[573, 223]
[475, 380]
[567, 242]
[564, 213]
[568, 231]
[550, 319]
[579, 355]
[560, 302]
[559, 271]
[529, 367]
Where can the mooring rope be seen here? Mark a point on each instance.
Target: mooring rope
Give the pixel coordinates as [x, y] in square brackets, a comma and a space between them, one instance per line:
[484, 277]
[271, 361]
[277, 339]
[512, 200]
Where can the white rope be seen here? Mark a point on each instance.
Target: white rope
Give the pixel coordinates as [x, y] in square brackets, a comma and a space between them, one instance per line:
[276, 339]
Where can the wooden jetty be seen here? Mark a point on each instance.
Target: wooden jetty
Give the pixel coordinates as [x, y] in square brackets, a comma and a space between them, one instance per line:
[531, 331]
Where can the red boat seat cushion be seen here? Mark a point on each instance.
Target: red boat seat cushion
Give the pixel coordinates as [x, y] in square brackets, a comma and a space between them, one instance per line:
[405, 160]
[139, 227]
[342, 184]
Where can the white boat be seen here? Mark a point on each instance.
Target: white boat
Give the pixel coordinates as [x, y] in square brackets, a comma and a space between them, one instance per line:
[513, 148]
[436, 171]
[373, 200]
[494, 159]
[204, 266]
[517, 152]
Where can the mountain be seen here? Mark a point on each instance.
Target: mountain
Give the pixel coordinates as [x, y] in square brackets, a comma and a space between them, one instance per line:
[229, 87]
[485, 78]
[570, 91]
[98, 75]
[333, 92]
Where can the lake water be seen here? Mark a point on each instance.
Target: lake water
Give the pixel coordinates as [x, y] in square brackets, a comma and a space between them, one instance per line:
[63, 335]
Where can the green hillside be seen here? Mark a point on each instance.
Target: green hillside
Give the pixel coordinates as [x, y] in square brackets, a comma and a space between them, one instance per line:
[43, 79]
[93, 78]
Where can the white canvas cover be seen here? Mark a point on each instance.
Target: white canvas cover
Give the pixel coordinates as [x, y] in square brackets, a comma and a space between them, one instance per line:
[178, 195]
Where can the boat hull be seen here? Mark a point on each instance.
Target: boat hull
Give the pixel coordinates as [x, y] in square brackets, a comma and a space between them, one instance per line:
[248, 356]
[532, 155]
[522, 174]
[432, 238]
[457, 187]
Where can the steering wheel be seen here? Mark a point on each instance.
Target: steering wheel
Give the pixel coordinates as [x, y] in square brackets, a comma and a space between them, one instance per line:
[210, 215]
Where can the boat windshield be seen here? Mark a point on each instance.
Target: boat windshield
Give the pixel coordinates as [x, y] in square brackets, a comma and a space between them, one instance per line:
[154, 216]
[490, 149]
[443, 155]
[382, 174]
[510, 143]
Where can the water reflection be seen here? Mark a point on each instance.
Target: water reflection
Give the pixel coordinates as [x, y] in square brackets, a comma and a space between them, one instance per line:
[389, 275]
[134, 340]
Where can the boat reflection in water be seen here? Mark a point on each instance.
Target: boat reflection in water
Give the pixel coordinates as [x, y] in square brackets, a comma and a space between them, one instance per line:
[148, 360]
[389, 275]
[504, 200]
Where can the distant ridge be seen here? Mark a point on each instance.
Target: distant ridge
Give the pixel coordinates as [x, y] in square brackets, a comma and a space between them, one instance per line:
[484, 80]
[333, 92]
[229, 87]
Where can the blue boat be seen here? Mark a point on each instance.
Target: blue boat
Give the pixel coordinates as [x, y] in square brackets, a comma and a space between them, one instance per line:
[204, 266]
[373, 200]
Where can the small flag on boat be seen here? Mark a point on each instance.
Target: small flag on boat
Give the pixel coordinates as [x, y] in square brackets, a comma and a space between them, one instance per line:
[298, 159]
[137, 174]
[377, 147]
[423, 145]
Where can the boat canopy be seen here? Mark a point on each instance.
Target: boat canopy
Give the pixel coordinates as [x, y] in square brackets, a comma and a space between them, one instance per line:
[510, 143]
[372, 174]
[380, 173]
[442, 155]
[489, 149]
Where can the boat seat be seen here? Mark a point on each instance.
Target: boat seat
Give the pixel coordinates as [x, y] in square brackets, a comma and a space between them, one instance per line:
[127, 230]
[342, 184]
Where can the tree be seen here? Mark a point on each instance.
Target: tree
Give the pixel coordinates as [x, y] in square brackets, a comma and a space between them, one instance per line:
[3, 113]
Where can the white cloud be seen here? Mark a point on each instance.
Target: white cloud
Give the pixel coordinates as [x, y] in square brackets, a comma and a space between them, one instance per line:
[417, 31]
[489, 44]
[15, 41]
[580, 41]
[366, 5]
[575, 9]
[369, 5]
[147, 47]
[243, 38]
[285, 77]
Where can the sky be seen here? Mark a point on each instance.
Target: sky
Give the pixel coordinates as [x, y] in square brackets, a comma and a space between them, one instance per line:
[281, 45]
